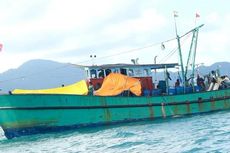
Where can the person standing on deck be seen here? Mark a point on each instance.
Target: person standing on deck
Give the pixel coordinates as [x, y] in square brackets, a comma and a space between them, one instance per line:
[200, 83]
[91, 88]
[213, 80]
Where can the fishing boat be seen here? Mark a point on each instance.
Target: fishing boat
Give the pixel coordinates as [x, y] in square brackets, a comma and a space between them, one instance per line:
[122, 93]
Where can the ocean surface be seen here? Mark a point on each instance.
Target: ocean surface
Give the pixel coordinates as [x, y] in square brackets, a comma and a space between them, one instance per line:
[198, 133]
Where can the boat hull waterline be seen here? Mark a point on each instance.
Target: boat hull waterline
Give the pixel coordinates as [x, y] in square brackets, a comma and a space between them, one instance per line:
[27, 114]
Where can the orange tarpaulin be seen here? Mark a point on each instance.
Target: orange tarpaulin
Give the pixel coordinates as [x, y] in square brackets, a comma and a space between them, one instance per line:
[116, 83]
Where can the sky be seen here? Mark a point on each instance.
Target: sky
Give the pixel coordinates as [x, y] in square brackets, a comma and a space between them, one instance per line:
[116, 31]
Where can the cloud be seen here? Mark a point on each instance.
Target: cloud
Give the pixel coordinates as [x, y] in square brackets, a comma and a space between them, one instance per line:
[58, 23]
[73, 29]
[141, 24]
[214, 42]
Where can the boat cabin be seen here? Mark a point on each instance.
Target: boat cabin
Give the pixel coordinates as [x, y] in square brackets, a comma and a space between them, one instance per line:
[96, 73]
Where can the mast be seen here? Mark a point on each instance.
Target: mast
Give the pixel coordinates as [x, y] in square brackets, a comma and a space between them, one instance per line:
[179, 49]
[194, 57]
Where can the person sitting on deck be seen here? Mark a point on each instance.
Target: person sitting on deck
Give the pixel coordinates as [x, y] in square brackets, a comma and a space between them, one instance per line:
[177, 83]
[225, 82]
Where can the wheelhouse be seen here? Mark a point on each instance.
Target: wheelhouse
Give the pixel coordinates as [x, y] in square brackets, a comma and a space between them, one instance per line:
[144, 72]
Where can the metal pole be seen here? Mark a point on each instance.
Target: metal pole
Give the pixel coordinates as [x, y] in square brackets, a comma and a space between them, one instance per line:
[180, 54]
[166, 80]
[155, 62]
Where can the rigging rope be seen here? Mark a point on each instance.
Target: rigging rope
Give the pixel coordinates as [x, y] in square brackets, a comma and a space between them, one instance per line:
[129, 51]
[170, 54]
[68, 64]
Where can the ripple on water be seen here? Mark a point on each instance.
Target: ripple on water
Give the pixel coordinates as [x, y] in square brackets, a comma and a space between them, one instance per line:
[124, 134]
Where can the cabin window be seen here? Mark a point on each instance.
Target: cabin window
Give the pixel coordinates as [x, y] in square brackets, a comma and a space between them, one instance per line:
[101, 73]
[131, 72]
[138, 72]
[146, 72]
[93, 73]
[123, 71]
[115, 71]
[107, 72]
[87, 73]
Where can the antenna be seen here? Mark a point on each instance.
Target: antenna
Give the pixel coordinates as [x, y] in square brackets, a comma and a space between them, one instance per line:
[136, 61]
[133, 61]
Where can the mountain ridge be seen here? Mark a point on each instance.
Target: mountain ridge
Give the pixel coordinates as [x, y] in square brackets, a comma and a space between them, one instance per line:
[40, 74]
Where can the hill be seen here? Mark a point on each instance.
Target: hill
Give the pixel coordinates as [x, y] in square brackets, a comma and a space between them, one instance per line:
[40, 74]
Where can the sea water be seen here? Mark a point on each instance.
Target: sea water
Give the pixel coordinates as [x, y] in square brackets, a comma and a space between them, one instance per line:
[198, 133]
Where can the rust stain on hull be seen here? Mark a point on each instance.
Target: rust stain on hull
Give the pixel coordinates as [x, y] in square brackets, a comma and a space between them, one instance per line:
[175, 110]
[29, 123]
[226, 103]
[212, 101]
[188, 107]
[107, 114]
[163, 110]
[151, 112]
[200, 104]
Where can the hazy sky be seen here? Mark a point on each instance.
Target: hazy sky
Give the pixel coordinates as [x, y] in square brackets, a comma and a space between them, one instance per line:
[72, 30]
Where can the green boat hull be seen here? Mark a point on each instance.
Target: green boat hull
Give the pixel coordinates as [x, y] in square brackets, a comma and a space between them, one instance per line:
[40, 113]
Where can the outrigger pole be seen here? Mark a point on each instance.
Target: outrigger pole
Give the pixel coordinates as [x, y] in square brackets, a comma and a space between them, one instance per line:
[192, 50]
